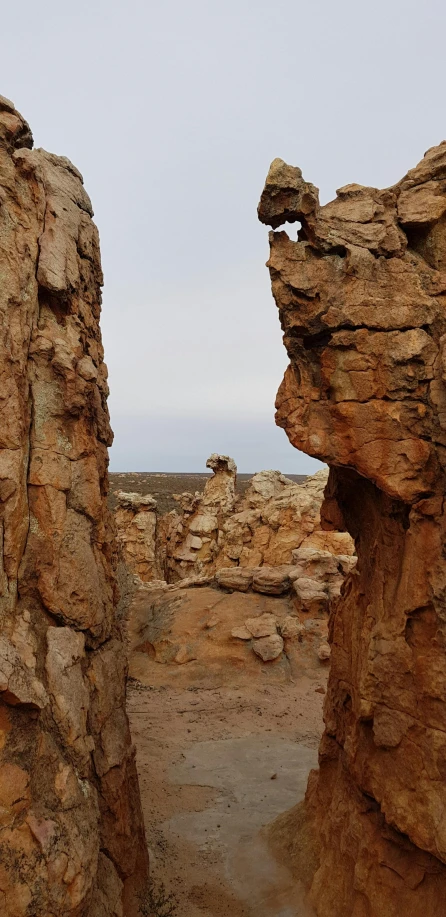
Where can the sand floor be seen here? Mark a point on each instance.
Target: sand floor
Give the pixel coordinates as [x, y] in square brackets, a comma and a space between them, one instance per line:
[215, 766]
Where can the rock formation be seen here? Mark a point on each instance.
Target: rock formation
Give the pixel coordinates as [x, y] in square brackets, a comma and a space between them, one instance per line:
[206, 635]
[71, 835]
[192, 537]
[276, 613]
[136, 520]
[361, 297]
[274, 518]
[266, 525]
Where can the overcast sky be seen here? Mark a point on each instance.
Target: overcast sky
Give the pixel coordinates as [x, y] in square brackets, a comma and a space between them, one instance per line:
[173, 110]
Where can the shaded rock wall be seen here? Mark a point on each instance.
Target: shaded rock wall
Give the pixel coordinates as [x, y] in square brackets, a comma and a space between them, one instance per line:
[362, 303]
[71, 836]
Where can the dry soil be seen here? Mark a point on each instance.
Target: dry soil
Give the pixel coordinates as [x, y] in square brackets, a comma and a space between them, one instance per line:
[216, 764]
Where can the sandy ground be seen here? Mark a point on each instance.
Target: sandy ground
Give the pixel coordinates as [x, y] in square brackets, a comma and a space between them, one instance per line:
[215, 765]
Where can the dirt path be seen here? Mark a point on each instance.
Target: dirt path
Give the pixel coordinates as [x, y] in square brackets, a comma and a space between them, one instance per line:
[216, 765]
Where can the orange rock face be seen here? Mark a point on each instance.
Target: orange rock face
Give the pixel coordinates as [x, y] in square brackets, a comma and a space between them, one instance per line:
[362, 302]
[71, 836]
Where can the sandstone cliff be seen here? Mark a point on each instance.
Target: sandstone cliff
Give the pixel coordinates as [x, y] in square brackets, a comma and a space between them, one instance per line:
[362, 303]
[71, 836]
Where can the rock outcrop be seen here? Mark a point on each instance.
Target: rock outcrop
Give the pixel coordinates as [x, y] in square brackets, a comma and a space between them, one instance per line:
[192, 536]
[362, 303]
[216, 529]
[71, 835]
[222, 625]
[136, 524]
[275, 517]
[207, 636]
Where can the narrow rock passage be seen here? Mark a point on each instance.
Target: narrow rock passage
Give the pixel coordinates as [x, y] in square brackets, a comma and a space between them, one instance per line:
[215, 766]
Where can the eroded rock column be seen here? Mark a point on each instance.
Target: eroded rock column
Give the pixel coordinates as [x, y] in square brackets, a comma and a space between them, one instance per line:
[71, 835]
[362, 303]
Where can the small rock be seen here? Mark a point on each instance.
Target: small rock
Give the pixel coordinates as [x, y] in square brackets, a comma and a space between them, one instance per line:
[268, 648]
[212, 622]
[135, 501]
[242, 633]
[324, 652]
[271, 581]
[184, 654]
[291, 627]
[310, 595]
[263, 626]
[196, 542]
[320, 690]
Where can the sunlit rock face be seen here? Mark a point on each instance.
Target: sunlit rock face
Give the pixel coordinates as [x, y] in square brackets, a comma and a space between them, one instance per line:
[362, 302]
[71, 836]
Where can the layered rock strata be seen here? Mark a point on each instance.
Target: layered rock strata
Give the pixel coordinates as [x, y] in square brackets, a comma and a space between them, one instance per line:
[362, 303]
[71, 835]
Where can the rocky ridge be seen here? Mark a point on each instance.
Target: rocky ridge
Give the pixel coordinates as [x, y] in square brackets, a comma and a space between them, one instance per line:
[217, 530]
[71, 834]
[362, 302]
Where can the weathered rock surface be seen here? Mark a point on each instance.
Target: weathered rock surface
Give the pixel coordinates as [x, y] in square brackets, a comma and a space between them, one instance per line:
[136, 521]
[268, 648]
[274, 517]
[315, 578]
[362, 302]
[207, 637]
[215, 531]
[71, 835]
[192, 537]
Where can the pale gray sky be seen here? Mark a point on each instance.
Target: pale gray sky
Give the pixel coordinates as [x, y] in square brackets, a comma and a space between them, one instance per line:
[173, 111]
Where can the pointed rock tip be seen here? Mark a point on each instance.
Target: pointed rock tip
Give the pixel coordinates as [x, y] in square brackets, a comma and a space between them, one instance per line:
[221, 463]
[281, 175]
[15, 132]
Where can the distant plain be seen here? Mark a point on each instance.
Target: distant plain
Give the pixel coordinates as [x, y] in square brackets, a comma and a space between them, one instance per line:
[163, 485]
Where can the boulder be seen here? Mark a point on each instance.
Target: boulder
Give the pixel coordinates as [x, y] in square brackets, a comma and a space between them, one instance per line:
[263, 626]
[310, 596]
[271, 581]
[291, 628]
[241, 633]
[324, 652]
[237, 578]
[268, 648]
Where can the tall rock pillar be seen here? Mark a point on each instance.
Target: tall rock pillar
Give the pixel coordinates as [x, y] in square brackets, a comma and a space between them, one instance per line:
[362, 303]
[71, 836]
